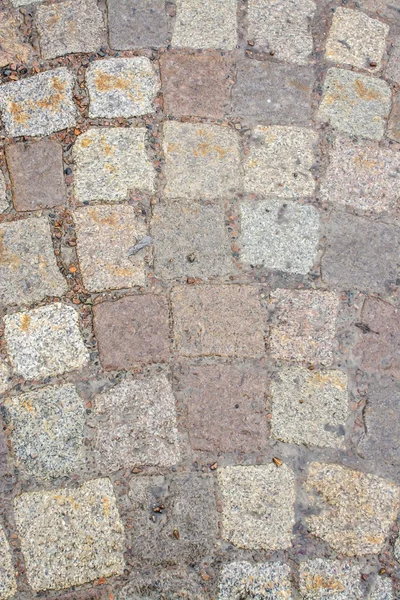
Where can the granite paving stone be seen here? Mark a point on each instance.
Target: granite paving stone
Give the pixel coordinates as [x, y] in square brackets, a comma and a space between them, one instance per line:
[18, 3]
[8, 582]
[207, 24]
[385, 10]
[38, 105]
[45, 341]
[70, 536]
[3, 193]
[4, 376]
[28, 268]
[13, 48]
[330, 579]
[173, 583]
[261, 580]
[382, 590]
[4, 460]
[392, 70]
[137, 23]
[393, 131]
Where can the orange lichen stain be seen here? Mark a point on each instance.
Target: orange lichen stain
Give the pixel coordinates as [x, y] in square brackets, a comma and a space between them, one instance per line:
[375, 539]
[365, 93]
[321, 379]
[86, 142]
[299, 86]
[105, 82]
[106, 147]
[61, 500]
[53, 20]
[18, 113]
[110, 168]
[204, 149]
[106, 504]
[27, 405]
[111, 220]
[25, 322]
[120, 271]
[317, 583]
[365, 163]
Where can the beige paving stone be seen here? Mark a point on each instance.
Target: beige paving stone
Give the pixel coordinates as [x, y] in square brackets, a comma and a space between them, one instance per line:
[207, 24]
[3, 194]
[28, 268]
[70, 536]
[13, 48]
[261, 580]
[279, 162]
[4, 376]
[356, 39]
[8, 582]
[109, 162]
[330, 579]
[392, 70]
[257, 506]
[354, 510]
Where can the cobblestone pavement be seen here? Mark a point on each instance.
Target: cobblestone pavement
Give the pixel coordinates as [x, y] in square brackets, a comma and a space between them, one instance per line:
[199, 290]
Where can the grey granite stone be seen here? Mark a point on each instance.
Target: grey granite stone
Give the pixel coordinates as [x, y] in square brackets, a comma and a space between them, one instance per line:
[392, 70]
[4, 376]
[206, 24]
[3, 193]
[137, 24]
[261, 580]
[322, 579]
[382, 589]
[8, 581]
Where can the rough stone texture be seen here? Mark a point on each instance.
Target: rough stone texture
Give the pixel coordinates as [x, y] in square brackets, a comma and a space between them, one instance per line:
[382, 590]
[47, 431]
[279, 162]
[3, 193]
[38, 105]
[226, 406]
[284, 29]
[171, 584]
[362, 175]
[330, 579]
[13, 49]
[195, 84]
[201, 160]
[262, 580]
[359, 254]
[28, 268]
[4, 376]
[392, 70]
[4, 459]
[132, 331]
[226, 320]
[309, 407]
[190, 239]
[70, 536]
[352, 511]
[303, 325]
[273, 93]
[18, 3]
[45, 341]
[104, 236]
[207, 24]
[122, 87]
[137, 23]
[356, 39]
[36, 173]
[355, 104]
[257, 506]
[137, 425]
[8, 583]
[279, 235]
[393, 131]
[111, 162]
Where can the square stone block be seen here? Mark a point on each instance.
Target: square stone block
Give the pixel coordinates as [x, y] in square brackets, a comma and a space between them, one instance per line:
[303, 325]
[47, 431]
[309, 407]
[355, 104]
[184, 236]
[45, 341]
[13, 48]
[110, 162]
[257, 506]
[104, 236]
[38, 105]
[339, 580]
[224, 320]
[70, 26]
[28, 268]
[392, 70]
[260, 580]
[122, 87]
[8, 581]
[279, 162]
[393, 131]
[352, 511]
[137, 425]
[36, 172]
[226, 406]
[137, 24]
[195, 84]
[70, 536]
[201, 160]
[132, 331]
[279, 235]
[207, 24]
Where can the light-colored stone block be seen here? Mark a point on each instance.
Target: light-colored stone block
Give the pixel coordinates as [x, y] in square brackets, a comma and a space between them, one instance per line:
[13, 48]
[322, 579]
[206, 24]
[4, 376]
[260, 580]
[8, 582]
[392, 70]
[3, 194]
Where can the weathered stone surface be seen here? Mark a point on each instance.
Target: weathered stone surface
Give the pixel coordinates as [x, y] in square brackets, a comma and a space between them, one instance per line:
[3, 193]
[393, 131]
[18, 3]
[13, 49]
[258, 506]
[279, 162]
[260, 580]
[137, 425]
[45, 341]
[309, 407]
[226, 406]
[137, 23]
[190, 240]
[385, 9]
[356, 39]
[226, 320]
[330, 579]
[392, 70]
[28, 268]
[359, 254]
[209, 24]
[70, 536]
[273, 93]
[36, 173]
[47, 431]
[362, 175]
[70, 26]
[111, 162]
[279, 235]
[354, 511]
[4, 458]
[4, 376]
[284, 29]
[195, 84]
[303, 325]
[382, 590]
[172, 584]
[355, 104]
[38, 105]
[201, 160]
[122, 87]
[8, 582]
[132, 331]
[104, 236]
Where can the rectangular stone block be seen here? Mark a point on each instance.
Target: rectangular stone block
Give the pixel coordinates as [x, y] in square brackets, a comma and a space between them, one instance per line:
[207, 24]
[137, 24]
[340, 580]
[8, 581]
[259, 580]
[13, 48]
